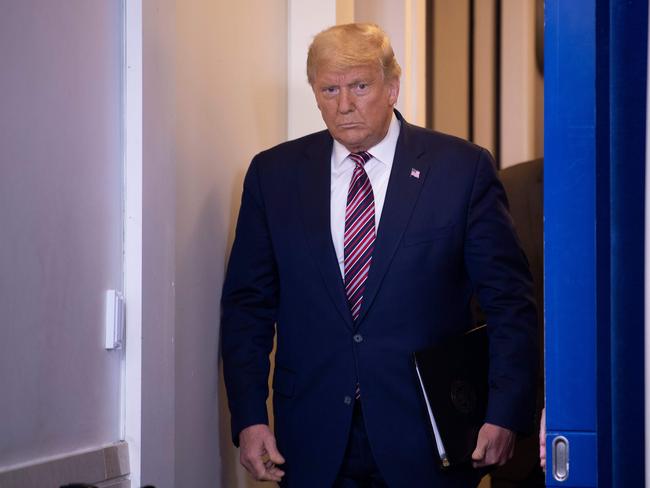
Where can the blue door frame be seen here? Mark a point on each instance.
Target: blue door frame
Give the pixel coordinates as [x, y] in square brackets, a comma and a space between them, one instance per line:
[595, 123]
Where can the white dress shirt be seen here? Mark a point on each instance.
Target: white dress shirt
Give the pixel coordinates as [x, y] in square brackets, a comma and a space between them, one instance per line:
[378, 170]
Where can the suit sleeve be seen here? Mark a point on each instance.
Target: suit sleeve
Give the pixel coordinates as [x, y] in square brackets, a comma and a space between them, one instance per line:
[499, 273]
[249, 304]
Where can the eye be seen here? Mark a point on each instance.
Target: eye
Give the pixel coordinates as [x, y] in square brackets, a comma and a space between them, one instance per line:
[330, 91]
[361, 87]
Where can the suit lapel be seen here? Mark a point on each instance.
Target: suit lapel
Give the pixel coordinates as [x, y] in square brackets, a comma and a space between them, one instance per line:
[314, 189]
[407, 177]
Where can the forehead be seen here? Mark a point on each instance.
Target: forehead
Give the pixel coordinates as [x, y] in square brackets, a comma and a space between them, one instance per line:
[335, 75]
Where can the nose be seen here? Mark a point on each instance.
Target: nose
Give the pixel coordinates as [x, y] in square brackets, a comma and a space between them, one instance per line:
[346, 101]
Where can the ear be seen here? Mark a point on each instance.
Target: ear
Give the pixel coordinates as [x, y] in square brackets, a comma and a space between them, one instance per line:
[393, 90]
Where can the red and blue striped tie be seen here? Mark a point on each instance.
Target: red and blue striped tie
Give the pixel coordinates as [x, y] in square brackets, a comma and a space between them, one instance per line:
[359, 238]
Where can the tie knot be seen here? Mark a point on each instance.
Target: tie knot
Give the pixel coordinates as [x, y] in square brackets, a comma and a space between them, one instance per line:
[360, 158]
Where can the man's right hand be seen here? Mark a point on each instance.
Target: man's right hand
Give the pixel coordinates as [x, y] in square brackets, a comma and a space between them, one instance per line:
[259, 454]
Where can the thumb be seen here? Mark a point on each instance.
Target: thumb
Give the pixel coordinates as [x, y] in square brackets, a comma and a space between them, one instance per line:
[479, 452]
[272, 450]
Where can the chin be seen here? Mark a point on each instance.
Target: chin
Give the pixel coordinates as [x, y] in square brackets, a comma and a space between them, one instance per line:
[353, 141]
[354, 146]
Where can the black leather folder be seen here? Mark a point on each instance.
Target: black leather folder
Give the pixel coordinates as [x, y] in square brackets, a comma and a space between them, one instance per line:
[453, 377]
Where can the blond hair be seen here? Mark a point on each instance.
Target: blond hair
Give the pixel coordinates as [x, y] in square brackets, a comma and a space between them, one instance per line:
[349, 45]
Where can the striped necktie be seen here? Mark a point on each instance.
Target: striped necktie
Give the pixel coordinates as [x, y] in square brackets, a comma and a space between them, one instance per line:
[359, 237]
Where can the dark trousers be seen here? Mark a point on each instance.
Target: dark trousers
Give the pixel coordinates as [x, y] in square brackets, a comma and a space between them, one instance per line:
[359, 469]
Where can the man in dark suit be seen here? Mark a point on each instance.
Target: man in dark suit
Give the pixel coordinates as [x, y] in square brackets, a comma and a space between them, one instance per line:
[355, 247]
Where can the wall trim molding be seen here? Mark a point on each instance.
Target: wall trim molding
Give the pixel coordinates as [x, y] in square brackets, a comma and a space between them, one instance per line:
[105, 467]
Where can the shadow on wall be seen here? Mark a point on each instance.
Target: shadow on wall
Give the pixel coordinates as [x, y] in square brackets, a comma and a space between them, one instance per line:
[236, 189]
[199, 237]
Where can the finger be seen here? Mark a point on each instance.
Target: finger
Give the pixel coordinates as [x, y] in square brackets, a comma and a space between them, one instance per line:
[271, 473]
[272, 450]
[478, 456]
[255, 466]
[481, 448]
[268, 476]
[503, 457]
[275, 471]
[262, 468]
[493, 456]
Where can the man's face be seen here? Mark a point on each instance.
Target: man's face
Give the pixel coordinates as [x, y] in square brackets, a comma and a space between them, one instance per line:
[356, 104]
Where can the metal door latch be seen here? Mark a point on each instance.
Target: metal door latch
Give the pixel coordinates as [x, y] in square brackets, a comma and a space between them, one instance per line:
[560, 458]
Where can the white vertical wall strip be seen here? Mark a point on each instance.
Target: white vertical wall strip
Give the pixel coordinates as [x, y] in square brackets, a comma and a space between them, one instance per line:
[484, 58]
[450, 67]
[414, 64]
[133, 232]
[344, 11]
[647, 278]
[518, 72]
[306, 19]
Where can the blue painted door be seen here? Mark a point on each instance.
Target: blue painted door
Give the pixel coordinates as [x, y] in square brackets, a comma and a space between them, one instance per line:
[595, 116]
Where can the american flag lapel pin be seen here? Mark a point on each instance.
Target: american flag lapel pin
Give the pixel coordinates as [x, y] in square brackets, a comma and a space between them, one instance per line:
[415, 173]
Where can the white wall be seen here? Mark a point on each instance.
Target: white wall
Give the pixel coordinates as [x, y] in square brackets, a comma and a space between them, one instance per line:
[215, 77]
[60, 215]
[522, 88]
[306, 18]
[450, 67]
[157, 434]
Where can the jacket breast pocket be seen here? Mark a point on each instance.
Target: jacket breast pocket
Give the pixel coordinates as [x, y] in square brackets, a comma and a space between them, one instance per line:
[284, 381]
[426, 235]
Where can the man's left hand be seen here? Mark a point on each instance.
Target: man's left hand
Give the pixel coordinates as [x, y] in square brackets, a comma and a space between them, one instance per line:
[495, 445]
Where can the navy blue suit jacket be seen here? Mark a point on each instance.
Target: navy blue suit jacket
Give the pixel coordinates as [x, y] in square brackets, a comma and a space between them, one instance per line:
[442, 237]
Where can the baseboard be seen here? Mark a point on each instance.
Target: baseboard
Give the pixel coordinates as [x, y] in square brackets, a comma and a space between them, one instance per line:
[106, 467]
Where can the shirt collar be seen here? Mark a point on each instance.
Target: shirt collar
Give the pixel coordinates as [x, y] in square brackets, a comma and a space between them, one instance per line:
[384, 151]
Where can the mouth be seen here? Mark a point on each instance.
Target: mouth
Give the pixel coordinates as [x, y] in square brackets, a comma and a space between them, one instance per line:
[348, 125]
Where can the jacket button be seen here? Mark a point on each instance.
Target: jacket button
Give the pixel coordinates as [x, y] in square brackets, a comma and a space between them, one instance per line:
[347, 400]
[357, 338]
